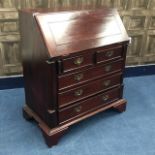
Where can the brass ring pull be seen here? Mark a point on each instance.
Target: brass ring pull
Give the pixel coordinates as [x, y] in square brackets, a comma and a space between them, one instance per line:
[108, 68]
[109, 53]
[78, 92]
[78, 109]
[106, 83]
[78, 61]
[78, 77]
[105, 97]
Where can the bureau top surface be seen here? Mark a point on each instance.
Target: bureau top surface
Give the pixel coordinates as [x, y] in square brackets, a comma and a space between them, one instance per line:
[72, 31]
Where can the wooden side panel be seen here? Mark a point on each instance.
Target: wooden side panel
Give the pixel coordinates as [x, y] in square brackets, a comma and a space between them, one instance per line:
[39, 74]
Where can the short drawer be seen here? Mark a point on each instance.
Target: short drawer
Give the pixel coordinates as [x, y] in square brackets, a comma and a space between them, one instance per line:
[91, 104]
[105, 55]
[70, 80]
[77, 62]
[74, 95]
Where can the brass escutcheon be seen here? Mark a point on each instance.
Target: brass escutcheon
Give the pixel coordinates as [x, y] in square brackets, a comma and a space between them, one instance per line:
[107, 83]
[78, 61]
[78, 109]
[105, 97]
[78, 77]
[109, 53]
[78, 92]
[108, 68]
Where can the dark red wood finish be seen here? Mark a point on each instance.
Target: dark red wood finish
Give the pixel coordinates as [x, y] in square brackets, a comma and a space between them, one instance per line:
[84, 91]
[69, 80]
[73, 63]
[39, 72]
[93, 103]
[69, 32]
[77, 62]
[109, 54]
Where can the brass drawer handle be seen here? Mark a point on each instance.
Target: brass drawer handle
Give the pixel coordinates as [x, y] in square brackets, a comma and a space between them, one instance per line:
[105, 97]
[78, 61]
[109, 53]
[78, 77]
[106, 83]
[78, 93]
[78, 109]
[108, 68]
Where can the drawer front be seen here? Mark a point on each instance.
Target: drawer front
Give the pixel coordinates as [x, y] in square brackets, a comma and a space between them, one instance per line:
[109, 54]
[74, 95]
[77, 62]
[89, 105]
[69, 80]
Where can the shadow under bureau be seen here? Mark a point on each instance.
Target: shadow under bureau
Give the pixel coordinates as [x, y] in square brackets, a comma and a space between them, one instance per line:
[73, 64]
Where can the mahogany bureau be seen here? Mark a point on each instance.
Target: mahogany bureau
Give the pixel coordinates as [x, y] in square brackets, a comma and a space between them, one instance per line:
[73, 64]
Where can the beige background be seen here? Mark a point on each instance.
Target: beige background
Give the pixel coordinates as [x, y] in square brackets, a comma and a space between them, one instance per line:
[138, 17]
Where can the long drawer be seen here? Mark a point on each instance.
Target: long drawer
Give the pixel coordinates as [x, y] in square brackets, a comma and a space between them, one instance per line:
[94, 87]
[91, 104]
[70, 80]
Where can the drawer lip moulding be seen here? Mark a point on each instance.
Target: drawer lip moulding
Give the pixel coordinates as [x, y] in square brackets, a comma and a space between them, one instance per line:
[93, 103]
[73, 95]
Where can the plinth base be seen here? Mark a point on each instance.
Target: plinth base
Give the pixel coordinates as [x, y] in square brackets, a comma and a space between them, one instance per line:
[53, 135]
